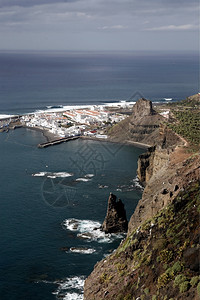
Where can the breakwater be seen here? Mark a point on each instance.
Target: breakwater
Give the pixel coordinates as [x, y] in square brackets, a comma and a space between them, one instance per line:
[57, 141]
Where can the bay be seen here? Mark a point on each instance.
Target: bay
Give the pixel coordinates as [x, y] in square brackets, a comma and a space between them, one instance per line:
[33, 209]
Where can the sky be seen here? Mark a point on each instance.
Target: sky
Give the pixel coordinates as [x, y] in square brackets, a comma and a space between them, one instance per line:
[84, 25]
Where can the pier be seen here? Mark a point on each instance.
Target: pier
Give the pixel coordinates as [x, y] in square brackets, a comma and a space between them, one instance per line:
[57, 141]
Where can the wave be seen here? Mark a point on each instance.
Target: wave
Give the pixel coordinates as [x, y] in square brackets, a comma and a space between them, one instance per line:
[82, 250]
[61, 108]
[70, 288]
[83, 179]
[89, 175]
[73, 296]
[6, 116]
[53, 174]
[134, 185]
[90, 231]
[137, 183]
[81, 225]
[40, 174]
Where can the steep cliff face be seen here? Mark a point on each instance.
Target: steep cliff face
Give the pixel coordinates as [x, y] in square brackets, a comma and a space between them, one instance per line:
[159, 260]
[145, 165]
[171, 173]
[157, 157]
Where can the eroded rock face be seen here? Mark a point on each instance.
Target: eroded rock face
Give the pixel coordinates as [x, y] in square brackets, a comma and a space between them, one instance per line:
[145, 165]
[115, 220]
[143, 107]
[141, 127]
[169, 175]
[118, 276]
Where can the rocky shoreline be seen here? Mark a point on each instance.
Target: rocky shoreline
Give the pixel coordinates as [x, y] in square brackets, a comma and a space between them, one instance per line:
[46, 134]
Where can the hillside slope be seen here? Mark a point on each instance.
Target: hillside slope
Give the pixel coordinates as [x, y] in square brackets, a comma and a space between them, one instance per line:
[159, 260]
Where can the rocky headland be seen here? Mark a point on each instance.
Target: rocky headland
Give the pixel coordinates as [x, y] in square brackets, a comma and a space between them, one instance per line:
[141, 127]
[159, 259]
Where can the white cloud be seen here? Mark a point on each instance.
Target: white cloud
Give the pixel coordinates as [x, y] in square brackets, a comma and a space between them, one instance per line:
[75, 23]
[113, 27]
[174, 27]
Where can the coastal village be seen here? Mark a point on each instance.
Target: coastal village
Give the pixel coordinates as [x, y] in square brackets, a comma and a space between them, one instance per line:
[90, 121]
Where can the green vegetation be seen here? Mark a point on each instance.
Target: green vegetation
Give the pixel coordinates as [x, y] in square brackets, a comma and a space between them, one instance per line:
[176, 268]
[160, 244]
[179, 279]
[105, 278]
[166, 256]
[146, 291]
[187, 125]
[194, 280]
[198, 289]
[184, 286]
[163, 280]
[146, 260]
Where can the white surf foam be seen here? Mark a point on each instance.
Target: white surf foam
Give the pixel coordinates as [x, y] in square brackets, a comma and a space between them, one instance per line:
[90, 231]
[60, 174]
[40, 174]
[70, 289]
[137, 183]
[133, 185]
[83, 179]
[82, 250]
[53, 108]
[6, 116]
[73, 296]
[53, 174]
[81, 225]
[89, 175]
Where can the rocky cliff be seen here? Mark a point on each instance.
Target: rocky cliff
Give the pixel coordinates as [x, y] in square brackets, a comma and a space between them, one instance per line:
[159, 259]
[142, 126]
[115, 220]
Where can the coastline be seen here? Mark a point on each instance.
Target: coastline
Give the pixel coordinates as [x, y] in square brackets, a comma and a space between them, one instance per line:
[46, 134]
[130, 143]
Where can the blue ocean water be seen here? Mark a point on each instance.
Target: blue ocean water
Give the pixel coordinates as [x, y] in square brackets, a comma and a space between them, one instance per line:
[34, 80]
[33, 209]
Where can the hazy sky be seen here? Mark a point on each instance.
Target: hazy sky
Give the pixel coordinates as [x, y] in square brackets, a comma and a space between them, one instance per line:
[99, 24]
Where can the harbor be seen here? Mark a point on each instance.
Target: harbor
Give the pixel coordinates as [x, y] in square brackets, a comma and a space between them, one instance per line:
[58, 141]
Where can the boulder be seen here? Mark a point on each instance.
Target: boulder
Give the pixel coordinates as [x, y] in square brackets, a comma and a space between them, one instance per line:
[115, 220]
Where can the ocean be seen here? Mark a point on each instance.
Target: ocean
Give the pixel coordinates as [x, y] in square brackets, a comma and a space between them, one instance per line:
[33, 80]
[53, 199]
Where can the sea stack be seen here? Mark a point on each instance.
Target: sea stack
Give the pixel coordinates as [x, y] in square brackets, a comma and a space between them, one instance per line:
[115, 220]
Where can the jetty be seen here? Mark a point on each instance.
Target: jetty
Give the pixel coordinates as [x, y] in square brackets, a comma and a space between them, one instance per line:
[58, 141]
